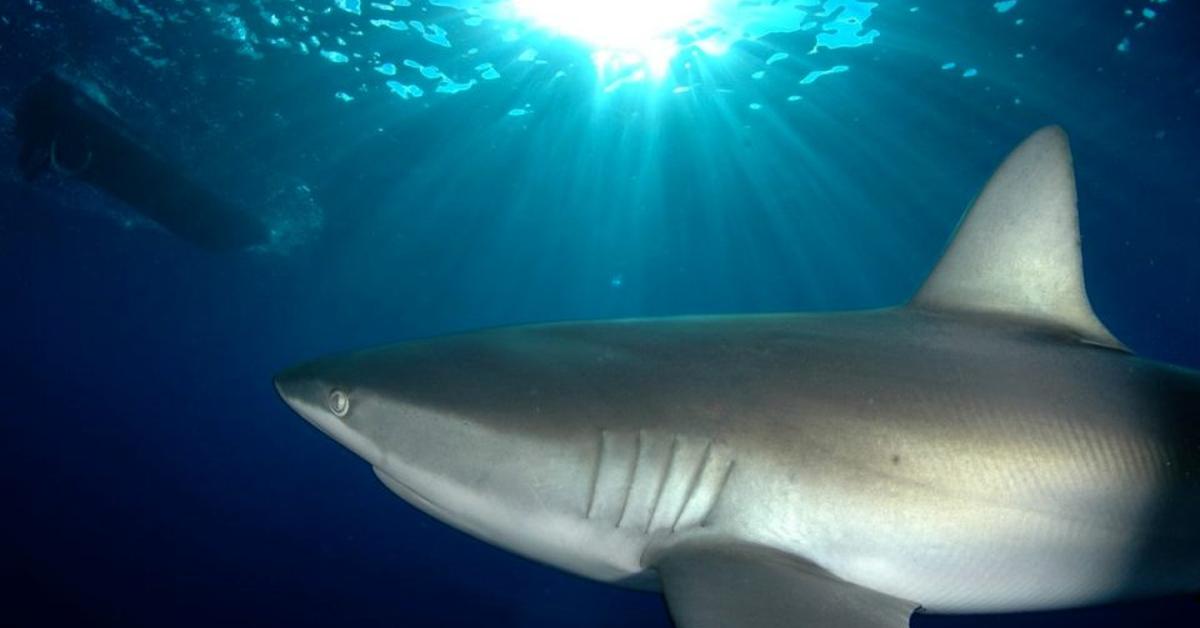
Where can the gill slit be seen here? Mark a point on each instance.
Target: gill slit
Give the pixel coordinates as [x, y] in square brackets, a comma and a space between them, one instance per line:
[637, 459]
[691, 491]
[662, 483]
[591, 506]
[712, 505]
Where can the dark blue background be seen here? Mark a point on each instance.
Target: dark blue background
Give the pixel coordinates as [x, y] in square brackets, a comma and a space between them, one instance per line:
[151, 476]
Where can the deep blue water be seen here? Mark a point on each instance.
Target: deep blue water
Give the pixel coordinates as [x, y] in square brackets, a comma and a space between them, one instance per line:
[152, 477]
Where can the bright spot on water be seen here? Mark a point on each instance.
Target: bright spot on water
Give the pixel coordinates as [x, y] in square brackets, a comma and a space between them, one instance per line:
[487, 72]
[617, 281]
[812, 77]
[350, 6]
[334, 56]
[395, 25]
[633, 31]
[405, 91]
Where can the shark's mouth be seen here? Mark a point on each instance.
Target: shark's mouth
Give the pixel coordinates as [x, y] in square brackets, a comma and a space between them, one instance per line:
[410, 495]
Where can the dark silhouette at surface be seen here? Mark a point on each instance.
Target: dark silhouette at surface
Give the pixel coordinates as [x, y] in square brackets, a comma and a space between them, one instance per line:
[62, 128]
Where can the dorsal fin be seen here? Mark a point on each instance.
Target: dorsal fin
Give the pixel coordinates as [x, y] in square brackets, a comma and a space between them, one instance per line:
[1017, 251]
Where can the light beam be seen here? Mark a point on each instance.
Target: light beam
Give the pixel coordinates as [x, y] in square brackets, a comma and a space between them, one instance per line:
[625, 32]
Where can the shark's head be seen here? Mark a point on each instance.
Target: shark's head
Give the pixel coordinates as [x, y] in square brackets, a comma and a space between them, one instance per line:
[474, 431]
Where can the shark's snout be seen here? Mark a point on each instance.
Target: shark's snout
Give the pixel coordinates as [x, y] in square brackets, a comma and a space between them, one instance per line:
[292, 385]
[282, 386]
[314, 391]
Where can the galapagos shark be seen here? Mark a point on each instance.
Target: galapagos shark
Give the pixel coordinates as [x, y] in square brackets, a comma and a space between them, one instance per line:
[987, 447]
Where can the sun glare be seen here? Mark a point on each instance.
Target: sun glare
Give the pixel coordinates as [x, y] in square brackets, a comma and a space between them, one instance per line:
[623, 32]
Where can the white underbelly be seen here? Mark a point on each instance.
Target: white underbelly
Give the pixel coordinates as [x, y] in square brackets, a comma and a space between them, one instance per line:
[996, 561]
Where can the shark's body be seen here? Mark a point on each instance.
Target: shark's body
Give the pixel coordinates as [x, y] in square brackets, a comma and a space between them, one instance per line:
[989, 447]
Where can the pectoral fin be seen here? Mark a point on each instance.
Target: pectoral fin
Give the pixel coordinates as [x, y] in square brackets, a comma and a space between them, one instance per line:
[735, 586]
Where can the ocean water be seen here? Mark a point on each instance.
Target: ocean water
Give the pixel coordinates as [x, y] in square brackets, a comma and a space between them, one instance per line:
[432, 166]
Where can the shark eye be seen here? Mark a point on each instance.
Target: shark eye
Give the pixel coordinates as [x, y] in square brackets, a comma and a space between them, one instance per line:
[339, 402]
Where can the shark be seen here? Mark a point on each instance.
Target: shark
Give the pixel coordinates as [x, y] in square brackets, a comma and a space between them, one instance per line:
[988, 446]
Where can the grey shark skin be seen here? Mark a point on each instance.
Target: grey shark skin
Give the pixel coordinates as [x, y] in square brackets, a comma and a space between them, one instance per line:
[988, 447]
